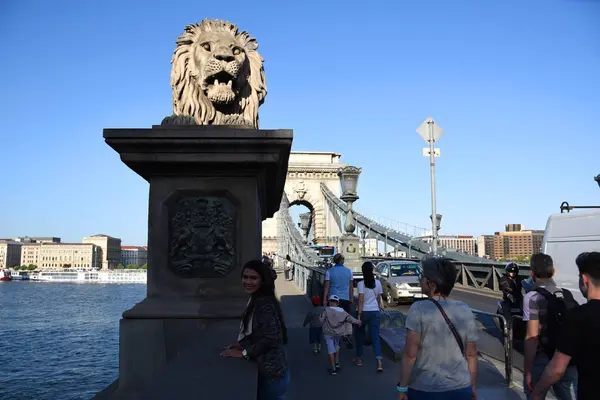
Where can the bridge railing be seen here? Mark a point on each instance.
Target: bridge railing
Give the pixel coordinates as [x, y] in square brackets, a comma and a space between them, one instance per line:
[289, 239]
[403, 240]
[476, 275]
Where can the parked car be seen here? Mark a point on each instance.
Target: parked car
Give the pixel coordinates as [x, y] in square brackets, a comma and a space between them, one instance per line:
[400, 281]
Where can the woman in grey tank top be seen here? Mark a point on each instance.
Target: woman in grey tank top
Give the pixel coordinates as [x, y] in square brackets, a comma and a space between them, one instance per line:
[440, 357]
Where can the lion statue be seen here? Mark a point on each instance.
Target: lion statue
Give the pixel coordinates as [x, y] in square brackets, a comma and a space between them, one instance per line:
[217, 76]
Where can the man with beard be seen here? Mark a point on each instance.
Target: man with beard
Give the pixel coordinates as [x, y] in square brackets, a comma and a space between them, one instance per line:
[580, 338]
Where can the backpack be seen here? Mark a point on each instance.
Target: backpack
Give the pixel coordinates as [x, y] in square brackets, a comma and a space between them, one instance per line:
[559, 304]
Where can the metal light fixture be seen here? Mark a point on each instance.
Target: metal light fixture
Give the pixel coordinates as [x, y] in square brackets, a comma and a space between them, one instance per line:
[434, 234]
[349, 181]
[305, 224]
[597, 179]
[438, 222]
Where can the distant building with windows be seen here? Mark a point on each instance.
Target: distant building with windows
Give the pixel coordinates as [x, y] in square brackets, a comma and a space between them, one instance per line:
[110, 249]
[134, 255]
[462, 243]
[515, 241]
[485, 246]
[50, 255]
[10, 253]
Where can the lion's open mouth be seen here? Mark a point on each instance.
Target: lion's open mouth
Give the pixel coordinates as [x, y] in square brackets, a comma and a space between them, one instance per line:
[220, 79]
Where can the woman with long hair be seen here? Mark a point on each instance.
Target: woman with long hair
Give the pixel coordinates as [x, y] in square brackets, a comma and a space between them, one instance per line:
[369, 303]
[263, 333]
[440, 356]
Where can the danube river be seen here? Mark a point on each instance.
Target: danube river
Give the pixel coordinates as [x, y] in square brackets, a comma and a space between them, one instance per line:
[60, 340]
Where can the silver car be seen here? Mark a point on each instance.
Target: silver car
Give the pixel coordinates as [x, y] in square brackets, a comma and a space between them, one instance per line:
[400, 281]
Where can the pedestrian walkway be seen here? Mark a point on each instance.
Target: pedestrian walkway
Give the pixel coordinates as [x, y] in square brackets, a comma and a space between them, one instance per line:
[311, 380]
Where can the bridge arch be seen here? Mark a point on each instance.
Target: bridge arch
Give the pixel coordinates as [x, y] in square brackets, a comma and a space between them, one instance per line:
[306, 172]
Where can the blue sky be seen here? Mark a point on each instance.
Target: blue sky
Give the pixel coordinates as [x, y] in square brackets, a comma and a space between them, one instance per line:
[514, 84]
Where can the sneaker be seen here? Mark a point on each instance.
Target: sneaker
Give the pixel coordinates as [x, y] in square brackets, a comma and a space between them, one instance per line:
[332, 371]
[315, 351]
[337, 367]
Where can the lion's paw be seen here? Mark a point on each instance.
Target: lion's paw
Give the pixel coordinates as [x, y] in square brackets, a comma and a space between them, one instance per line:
[178, 120]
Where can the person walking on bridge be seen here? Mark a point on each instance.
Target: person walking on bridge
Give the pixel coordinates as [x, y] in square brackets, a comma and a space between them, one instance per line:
[580, 338]
[339, 281]
[369, 304]
[542, 310]
[440, 356]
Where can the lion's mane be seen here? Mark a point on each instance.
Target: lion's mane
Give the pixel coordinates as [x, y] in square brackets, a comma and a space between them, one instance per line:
[189, 100]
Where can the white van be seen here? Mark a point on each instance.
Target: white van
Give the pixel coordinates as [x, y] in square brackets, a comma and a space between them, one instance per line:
[567, 236]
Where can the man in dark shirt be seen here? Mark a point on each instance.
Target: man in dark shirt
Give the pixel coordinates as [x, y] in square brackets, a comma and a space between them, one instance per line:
[580, 336]
[510, 284]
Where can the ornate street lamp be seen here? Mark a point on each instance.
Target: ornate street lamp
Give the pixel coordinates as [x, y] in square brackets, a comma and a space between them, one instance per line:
[305, 225]
[349, 180]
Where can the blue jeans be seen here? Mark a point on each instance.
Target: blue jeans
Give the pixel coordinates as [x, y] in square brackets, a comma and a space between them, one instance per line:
[565, 388]
[372, 319]
[458, 394]
[274, 390]
[315, 334]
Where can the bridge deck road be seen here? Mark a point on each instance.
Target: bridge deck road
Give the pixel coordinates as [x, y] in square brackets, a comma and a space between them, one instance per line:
[311, 380]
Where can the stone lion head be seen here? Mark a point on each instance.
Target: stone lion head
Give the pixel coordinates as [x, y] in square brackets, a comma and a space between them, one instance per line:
[217, 75]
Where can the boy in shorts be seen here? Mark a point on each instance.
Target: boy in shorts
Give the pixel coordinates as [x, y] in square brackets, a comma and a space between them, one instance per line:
[336, 324]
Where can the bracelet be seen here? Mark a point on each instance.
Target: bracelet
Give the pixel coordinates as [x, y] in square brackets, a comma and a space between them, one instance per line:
[402, 389]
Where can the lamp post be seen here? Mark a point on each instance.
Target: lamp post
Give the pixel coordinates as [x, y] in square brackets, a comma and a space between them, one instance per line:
[349, 180]
[430, 131]
[349, 242]
[436, 224]
[363, 233]
[305, 225]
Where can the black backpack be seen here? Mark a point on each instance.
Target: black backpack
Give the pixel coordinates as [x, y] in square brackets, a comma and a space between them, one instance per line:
[559, 304]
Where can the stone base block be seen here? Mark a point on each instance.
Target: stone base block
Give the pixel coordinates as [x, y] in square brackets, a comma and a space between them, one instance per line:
[179, 359]
[349, 245]
[187, 308]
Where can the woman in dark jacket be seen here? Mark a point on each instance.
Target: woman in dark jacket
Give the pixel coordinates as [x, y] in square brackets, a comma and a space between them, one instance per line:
[263, 333]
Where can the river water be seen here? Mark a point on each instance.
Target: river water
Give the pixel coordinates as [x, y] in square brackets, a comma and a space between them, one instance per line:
[60, 340]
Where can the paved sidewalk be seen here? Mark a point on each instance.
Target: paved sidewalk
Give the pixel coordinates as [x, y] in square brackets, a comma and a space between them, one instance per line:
[311, 380]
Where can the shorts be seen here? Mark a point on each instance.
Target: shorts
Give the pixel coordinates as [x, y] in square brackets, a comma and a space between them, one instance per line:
[333, 344]
[314, 335]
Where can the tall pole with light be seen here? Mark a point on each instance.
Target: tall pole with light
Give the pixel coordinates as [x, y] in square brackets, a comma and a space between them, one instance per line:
[349, 241]
[431, 132]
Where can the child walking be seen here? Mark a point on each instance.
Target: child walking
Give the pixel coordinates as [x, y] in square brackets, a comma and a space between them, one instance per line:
[336, 324]
[315, 330]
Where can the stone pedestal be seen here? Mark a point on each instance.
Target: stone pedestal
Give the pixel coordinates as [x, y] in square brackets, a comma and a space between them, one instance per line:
[349, 246]
[210, 189]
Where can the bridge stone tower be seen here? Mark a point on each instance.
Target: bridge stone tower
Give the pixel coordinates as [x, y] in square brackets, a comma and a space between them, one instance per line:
[306, 171]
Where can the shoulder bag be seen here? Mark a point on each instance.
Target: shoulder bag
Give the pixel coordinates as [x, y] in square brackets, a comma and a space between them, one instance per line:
[451, 326]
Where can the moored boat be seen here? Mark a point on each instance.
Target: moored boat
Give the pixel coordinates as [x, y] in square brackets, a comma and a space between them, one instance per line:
[5, 275]
[112, 276]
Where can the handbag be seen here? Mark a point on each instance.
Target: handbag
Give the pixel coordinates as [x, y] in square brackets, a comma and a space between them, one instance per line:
[451, 326]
